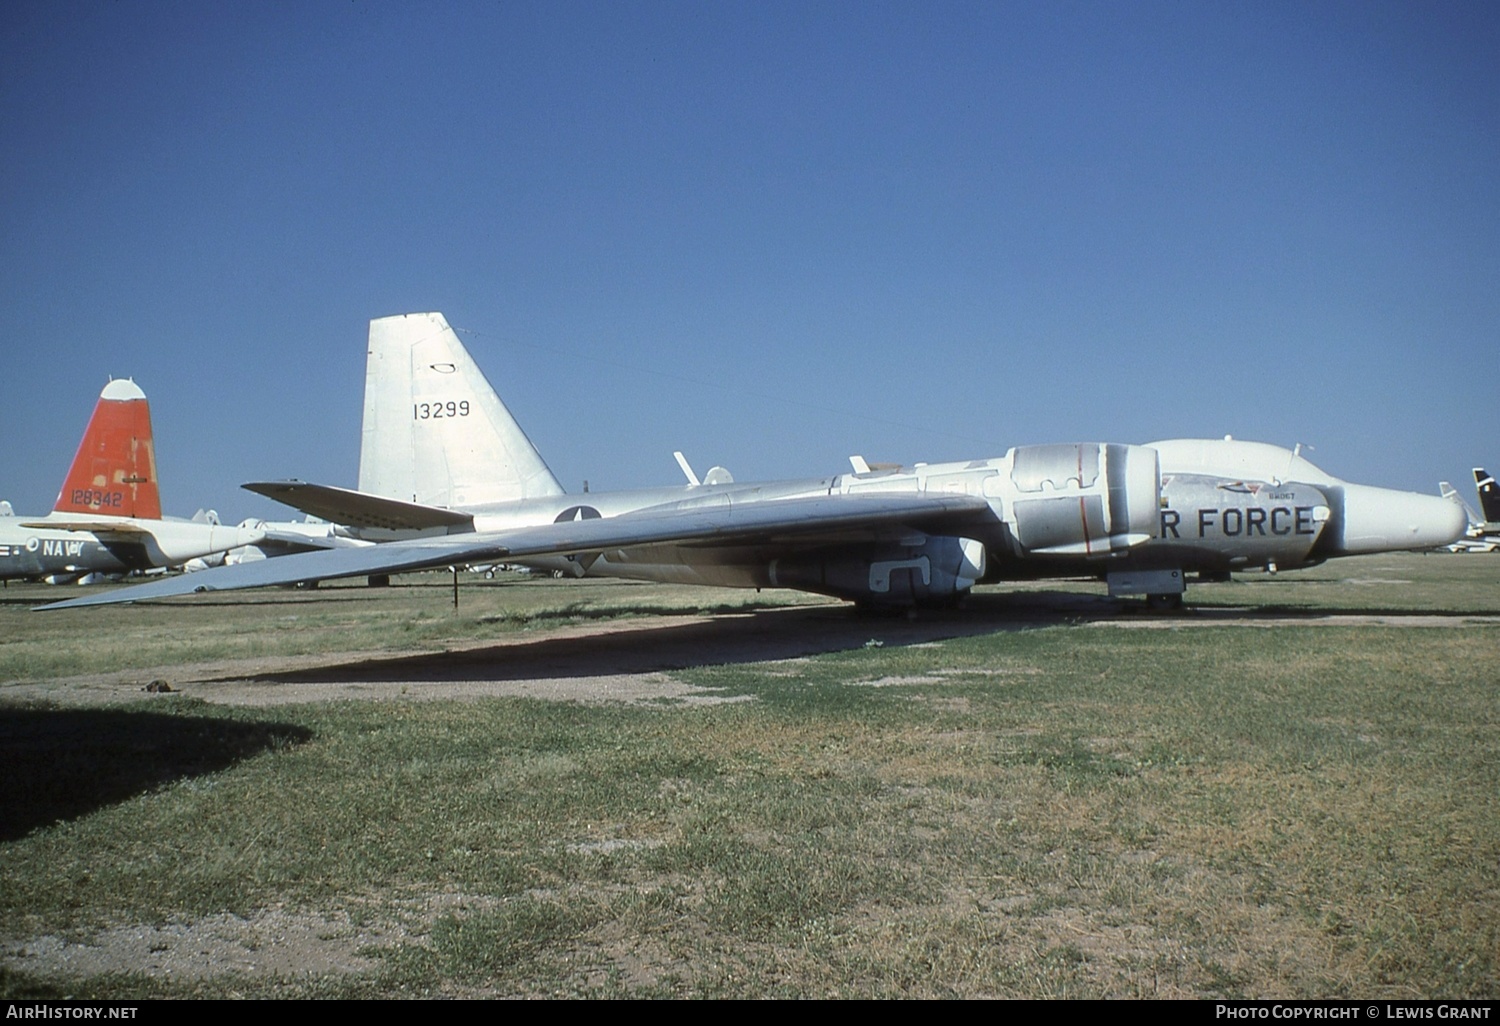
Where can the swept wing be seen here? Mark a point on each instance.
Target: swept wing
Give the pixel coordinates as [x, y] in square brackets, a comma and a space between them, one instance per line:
[729, 524]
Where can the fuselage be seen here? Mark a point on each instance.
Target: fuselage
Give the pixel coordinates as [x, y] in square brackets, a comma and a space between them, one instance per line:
[1192, 505]
[1139, 517]
[33, 548]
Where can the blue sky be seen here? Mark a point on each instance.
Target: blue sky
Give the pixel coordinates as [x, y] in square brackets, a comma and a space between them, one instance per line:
[768, 234]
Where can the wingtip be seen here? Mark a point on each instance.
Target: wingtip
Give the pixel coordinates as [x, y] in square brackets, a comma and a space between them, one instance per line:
[66, 604]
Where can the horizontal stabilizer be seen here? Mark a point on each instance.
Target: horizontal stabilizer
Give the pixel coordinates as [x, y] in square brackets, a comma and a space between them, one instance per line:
[102, 528]
[360, 509]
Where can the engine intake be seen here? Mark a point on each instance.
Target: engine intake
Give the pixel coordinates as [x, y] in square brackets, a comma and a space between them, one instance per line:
[1083, 500]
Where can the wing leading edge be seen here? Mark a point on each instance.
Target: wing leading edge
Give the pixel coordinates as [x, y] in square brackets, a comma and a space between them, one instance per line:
[731, 524]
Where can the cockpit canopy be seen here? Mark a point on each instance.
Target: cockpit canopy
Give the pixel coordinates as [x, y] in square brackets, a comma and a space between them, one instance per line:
[1240, 461]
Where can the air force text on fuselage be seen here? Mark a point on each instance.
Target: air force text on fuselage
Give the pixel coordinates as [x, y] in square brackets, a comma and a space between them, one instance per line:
[1234, 522]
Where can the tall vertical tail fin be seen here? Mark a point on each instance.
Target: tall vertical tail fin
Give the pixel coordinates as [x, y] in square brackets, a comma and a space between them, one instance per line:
[114, 472]
[435, 432]
[1489, 495]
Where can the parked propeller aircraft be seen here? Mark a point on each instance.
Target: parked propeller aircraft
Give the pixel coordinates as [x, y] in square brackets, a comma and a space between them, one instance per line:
[107, 518]
[1141, 517]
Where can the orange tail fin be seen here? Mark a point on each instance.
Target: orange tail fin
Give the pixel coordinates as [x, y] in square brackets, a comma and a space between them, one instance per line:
[114, 472]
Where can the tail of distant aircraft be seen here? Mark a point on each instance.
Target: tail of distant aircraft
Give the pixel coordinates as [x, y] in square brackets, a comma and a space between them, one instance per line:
[435, 432]
[1489, 495]
[1450, 493]
[114, 471]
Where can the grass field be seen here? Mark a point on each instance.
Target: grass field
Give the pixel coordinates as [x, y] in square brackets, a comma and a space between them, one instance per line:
[1291, 791]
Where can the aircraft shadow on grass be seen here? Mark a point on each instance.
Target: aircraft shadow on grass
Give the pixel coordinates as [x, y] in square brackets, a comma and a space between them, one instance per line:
[61, 764]
[761, 635]
[725, 639]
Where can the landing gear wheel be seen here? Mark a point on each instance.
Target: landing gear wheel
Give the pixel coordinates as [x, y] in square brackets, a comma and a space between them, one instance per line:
[1164, 603]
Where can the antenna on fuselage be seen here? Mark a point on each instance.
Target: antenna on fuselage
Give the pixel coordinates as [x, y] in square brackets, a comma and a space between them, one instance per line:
[1297, 453]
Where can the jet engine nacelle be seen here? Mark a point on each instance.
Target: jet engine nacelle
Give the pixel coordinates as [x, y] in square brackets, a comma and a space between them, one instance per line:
[1083, 500]
[931, 571]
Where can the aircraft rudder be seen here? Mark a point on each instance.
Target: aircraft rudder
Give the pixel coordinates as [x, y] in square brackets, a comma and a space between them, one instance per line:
[1489, 494]
[435, 431]
[114, 471]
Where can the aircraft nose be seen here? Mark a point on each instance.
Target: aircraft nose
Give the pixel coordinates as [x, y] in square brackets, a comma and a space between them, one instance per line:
[1384, 520]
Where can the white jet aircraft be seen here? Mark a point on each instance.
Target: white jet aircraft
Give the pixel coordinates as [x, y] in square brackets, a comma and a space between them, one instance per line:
[1482, 534]
[107, 518]
[450, 478]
